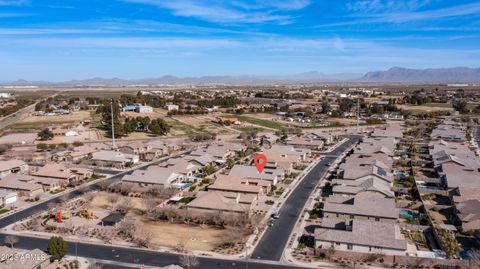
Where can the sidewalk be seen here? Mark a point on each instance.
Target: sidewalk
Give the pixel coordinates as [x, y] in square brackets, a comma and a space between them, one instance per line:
[302, 221]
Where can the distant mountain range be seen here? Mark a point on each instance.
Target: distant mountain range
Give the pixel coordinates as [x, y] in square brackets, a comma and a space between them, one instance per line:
[393, 75]
[445, 75]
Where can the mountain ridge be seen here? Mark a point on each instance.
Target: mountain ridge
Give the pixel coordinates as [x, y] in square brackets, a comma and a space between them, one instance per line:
[393, 75]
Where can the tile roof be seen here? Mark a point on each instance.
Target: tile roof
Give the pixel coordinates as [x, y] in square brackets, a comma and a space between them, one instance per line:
[363, 204]
[387, 234]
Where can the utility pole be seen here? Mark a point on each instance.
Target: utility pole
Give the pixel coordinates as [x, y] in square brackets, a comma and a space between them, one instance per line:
[358, 113]
[246, 255]
[113, 125]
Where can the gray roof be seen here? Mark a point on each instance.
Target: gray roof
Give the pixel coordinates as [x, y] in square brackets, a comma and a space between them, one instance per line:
[394, 131]
[10, 164]
[363, 204]
[113, 156]
[247, 171]
[363, 232]
[369, 184]
[378, 169]
[153, 175]
[469, 210]
[448, 132]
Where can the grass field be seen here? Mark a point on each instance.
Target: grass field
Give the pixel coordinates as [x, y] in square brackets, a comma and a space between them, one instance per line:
[259, 122]
[202, 124]
[35, 123]
[247, 129]
[429, 107]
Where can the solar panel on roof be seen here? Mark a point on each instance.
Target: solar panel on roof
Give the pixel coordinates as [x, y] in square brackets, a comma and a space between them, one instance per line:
[381, 171]
[443, 158]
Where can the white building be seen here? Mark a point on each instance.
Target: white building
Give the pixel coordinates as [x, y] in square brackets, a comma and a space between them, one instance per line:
[144, 109]
[12, 166]
[7, 197]
[172, 107]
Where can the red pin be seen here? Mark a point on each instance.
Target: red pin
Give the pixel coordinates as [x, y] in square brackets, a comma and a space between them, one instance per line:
[260, 161]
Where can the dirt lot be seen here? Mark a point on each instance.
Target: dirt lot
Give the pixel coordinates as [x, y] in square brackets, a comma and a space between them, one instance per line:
[202, 238]
[203, 123]
[75, 116]
[100, 201]
[165, 234]
[426, 108]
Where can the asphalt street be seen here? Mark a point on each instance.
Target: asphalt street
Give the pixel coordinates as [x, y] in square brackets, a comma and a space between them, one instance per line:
[275, 239]
[137, 256]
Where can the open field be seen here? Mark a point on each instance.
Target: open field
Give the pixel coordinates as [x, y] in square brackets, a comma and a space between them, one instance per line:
[165, 234]
[75, 116]
[259, 122]
[32, 123]
[199, 238]
[100, 201]
[203, 123]
[429, 107]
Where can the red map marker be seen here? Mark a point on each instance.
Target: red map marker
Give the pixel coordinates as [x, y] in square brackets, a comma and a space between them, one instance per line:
[260, 161]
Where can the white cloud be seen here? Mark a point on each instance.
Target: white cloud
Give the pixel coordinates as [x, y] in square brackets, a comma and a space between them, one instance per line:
[372, 6]
[233, 13]
[13, 2]
[393, 16]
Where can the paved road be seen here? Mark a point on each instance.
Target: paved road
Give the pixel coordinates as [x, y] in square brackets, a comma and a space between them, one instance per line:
[17, 116]
[275, 239]
[139, 256]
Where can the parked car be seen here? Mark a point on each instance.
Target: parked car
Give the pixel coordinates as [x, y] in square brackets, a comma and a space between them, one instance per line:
[275, 215]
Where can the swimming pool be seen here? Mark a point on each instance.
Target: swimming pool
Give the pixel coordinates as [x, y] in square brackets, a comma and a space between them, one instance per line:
[408, 214]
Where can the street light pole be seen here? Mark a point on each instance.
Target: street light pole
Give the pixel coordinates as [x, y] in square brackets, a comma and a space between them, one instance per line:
[246, 255]
[76, 251]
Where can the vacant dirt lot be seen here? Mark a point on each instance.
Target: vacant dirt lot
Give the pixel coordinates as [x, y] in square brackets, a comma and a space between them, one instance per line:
[75, 116]
[427, 108]
[165, 234]
[100, 200]
[200, 238]
[203, 123]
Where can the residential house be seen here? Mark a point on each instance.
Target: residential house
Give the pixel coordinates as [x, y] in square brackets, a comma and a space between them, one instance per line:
[360, 236]
[366, 184]
[246, 171]
[154, 176]
[448, 133]
[236, 184]
[468, 213]
[288, 150]
[187, 168]
[391, 131]
[112, 158]
[12, 166]
[224, 202]
[24, 185]
[312, 143]
[60, 171]
[73, 155]
[364, 206]
[7, 197]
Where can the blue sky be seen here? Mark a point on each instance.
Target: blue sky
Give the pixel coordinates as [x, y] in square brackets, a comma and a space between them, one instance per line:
[65, 39]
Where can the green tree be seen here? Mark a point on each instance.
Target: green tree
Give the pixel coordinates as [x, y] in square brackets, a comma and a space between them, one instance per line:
[57, 248]
[209, 169]
[159, 127]
[461, 107]
[42, 146]
[45, 134]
